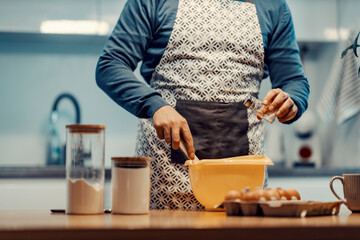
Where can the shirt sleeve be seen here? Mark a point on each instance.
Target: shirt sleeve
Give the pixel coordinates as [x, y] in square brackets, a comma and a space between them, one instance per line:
[123, 50]
[283, 60]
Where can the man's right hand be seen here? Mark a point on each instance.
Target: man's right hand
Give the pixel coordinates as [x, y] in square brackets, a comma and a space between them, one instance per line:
[169, 125]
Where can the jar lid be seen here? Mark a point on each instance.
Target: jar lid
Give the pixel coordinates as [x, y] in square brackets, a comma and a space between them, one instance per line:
[131, 161]
[85, 128]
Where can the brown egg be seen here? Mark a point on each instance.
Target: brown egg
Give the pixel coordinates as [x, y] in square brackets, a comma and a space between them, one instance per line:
[294, 194]
[244, 191]
[233, 195]
[284, 195]
[251, 196]
[263, 195]
[273, 194]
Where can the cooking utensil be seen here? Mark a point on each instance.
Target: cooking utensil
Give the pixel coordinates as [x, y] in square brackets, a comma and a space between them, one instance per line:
[63, 210]
[183, 148]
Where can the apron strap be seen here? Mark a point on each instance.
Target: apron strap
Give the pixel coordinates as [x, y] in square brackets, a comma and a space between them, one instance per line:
[249, 1]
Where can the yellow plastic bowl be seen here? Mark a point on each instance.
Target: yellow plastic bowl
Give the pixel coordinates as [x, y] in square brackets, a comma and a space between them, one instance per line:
[211, 179]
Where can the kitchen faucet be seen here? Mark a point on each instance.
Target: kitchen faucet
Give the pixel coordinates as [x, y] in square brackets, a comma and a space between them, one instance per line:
[56, 150]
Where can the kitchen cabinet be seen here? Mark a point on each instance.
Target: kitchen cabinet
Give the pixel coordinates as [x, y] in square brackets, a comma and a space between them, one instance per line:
[28, 16]
[315, 20]
[166, 224]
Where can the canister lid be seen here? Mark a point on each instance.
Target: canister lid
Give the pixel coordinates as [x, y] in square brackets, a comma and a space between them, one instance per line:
[131, 161]
[85, 128]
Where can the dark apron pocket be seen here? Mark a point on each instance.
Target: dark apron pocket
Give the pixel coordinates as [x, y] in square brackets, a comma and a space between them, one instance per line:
[219, 129]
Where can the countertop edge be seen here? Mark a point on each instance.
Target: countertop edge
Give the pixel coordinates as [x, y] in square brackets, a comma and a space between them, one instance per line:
[59, 172]
[341, 232]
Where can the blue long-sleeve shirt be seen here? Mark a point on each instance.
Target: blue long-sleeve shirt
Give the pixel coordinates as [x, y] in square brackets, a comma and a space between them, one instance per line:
[142, 34]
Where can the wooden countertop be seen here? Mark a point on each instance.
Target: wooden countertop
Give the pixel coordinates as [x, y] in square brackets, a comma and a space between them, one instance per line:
[172, 225]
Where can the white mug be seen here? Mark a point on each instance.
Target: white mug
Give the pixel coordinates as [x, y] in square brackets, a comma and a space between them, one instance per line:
[351, 186]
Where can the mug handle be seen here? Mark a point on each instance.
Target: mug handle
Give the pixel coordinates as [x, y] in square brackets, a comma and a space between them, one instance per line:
[331, 186]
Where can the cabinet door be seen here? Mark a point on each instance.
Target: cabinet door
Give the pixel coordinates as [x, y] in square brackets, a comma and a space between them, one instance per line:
[315, 20]
[28, 16]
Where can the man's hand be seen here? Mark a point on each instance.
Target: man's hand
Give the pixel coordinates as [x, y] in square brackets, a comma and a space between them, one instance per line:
[280, 102]
[170, 125]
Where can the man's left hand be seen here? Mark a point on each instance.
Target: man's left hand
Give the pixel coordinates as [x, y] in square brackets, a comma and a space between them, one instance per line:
[281, 103]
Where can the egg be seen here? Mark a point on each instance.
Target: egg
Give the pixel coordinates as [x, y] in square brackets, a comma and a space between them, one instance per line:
[273, 194]
[263, 195]
[251, 196]
[233, 195]
[244, 191]
[284, 195]
[293, 194]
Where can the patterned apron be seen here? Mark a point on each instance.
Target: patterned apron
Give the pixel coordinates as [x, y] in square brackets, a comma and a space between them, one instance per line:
[214, 57]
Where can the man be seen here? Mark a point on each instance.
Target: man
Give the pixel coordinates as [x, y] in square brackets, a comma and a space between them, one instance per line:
[200, 59]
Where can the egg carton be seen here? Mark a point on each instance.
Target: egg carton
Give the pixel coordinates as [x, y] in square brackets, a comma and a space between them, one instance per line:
[289, 208]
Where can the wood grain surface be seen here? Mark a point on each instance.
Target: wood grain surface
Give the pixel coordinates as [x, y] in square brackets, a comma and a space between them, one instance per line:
[42, 224]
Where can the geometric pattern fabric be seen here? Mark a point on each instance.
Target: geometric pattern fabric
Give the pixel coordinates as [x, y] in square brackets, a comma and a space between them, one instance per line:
[215, 53]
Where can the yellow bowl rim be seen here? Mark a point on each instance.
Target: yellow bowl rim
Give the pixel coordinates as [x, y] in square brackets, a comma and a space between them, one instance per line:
[241, 160]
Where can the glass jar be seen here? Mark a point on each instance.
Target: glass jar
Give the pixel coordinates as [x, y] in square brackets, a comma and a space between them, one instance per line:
[130, 180]
[255, 104]
[85, 170]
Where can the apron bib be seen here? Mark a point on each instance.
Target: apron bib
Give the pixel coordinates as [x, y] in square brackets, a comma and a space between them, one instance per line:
[214, 57]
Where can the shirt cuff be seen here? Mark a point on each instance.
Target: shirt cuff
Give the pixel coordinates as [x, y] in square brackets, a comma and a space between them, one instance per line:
[298, 114]
[151, 106]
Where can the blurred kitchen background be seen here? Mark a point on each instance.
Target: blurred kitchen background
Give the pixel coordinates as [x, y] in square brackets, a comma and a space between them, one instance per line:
[49, 48]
